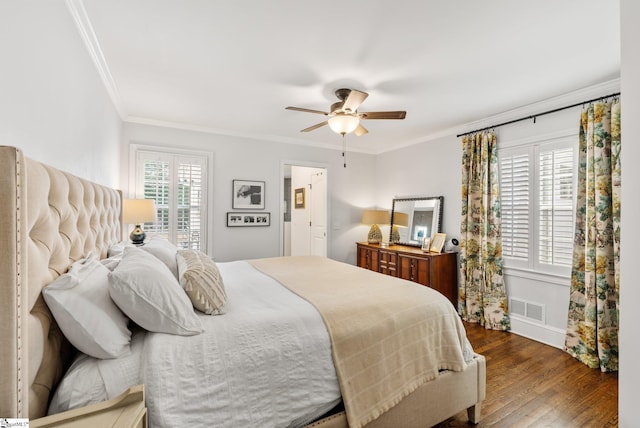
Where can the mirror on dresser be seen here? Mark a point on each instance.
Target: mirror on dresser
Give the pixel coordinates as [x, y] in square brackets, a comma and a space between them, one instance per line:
[415, 218]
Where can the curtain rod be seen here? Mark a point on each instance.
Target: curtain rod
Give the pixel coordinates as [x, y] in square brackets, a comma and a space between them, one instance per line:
[533, 116]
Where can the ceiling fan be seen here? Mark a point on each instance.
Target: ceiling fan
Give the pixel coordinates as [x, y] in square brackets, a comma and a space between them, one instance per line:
[344, 117]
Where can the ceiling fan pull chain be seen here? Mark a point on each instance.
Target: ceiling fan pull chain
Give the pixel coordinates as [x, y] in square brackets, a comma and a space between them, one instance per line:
[344, 149]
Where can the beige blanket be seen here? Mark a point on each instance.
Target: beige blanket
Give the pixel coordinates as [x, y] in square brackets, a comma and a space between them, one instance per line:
[389, 336]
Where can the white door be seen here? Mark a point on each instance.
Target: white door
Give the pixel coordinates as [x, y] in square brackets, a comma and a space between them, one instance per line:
[318, 217]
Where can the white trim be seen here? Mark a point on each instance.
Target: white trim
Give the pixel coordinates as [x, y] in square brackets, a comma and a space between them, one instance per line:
[551, 137]
[88, 36]
[549, 335]
[241, 134]
[564, 280]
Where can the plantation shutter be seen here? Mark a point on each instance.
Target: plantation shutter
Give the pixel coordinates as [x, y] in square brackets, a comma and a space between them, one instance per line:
[514, 194]
[555, 213]
[190, 203]
[177, 184]
[156, 174]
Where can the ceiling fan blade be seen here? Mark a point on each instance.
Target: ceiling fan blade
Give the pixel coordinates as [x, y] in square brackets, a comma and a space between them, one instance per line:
[354, 100]
[383, 115]
[307, 110]
[316, 126]
[360, 131]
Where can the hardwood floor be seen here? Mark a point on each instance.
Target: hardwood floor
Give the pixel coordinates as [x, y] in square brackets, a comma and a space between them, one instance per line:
[530, 384]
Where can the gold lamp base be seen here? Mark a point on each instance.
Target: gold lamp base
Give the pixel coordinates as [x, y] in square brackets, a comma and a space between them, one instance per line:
[395, 235]
[375, 235]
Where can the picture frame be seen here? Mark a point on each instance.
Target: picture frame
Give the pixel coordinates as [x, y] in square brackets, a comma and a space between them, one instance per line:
[298, 198]
[426, 244]
[437, 242]
[248, 195]
[240, 219]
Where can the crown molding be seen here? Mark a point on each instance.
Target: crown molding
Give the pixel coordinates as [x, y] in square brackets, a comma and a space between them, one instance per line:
[238, 134]
[533, 109]
[569, 98]
[88, 35]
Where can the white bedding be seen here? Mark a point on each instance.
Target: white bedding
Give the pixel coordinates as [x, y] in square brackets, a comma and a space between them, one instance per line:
[278, 370]
[267, 362]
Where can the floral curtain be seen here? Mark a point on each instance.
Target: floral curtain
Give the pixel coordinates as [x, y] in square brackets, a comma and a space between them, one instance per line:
[592, 328]
[482, 296]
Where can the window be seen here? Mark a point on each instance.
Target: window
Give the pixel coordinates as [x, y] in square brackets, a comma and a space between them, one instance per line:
[177, 183]
[537, 184]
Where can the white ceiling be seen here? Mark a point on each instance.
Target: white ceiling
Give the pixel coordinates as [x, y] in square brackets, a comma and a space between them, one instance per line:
[231, 66]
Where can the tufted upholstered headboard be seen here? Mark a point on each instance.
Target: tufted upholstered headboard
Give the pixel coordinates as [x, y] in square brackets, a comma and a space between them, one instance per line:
[48, 220]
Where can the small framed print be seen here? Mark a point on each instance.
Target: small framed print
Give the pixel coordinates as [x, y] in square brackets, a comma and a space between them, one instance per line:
[298, 195]
[437, 242]
[236, 219]
[426, 244]
[248, 195]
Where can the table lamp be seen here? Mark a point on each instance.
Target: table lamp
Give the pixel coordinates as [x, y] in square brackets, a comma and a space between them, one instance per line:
[137, 212]
[374, 218]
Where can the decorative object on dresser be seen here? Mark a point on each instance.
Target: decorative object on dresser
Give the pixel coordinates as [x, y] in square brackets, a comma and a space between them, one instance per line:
[137, 212]
[437, 271]
[437, 242]
[426, 244]
[423, 219]
[375, 218]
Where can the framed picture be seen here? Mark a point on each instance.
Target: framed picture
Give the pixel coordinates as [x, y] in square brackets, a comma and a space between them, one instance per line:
[426, 244]
[236, 219]
[298, 195]
[438, 242]
[248, 195]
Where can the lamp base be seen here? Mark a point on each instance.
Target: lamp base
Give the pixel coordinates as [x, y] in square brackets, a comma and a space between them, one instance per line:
[395, 235]
[137, 235]
[375, 235]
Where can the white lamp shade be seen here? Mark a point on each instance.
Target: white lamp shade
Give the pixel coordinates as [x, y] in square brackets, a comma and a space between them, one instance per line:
[344, 123]
[138, 211]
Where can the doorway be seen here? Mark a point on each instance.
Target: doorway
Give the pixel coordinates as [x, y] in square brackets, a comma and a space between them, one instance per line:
[304, 210]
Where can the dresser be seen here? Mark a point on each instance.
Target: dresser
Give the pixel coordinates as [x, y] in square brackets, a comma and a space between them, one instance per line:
[437, 271]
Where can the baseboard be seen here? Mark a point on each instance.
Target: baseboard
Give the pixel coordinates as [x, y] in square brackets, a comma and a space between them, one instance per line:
[543, 333]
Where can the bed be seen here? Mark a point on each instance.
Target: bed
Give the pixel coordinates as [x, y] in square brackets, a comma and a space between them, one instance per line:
[51, 219]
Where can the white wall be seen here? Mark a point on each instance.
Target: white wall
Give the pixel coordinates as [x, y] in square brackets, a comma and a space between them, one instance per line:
[427, 169]
[53, 104]
[629, 339]
[349, 188]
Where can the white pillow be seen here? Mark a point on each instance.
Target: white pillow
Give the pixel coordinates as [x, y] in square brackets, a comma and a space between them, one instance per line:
[112, 262]
[80, 303]
[163, 250]
[118, 249]
[90, 380]
[81, 385]
[144, 289]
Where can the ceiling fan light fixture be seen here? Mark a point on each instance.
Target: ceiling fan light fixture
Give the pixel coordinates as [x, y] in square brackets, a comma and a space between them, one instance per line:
[344, 123]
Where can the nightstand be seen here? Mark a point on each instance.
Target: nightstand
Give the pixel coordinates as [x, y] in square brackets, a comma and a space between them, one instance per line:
[125, 411]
